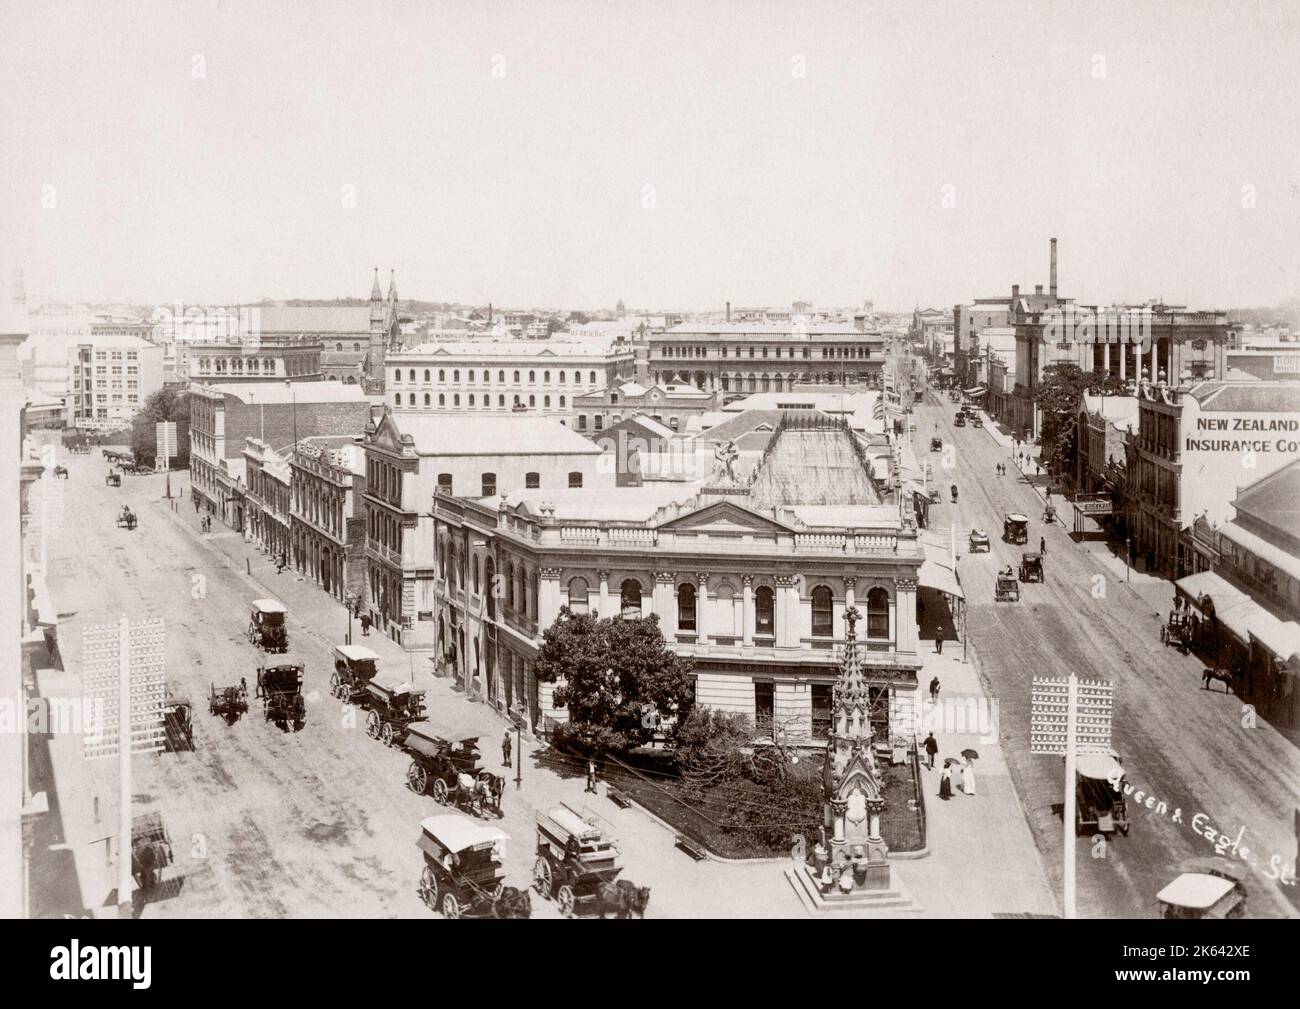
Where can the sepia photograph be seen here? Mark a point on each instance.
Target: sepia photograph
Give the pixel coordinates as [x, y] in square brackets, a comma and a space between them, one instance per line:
[829, 461]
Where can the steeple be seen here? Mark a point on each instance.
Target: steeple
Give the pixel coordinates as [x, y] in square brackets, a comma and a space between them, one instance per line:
[392, 287]
[376, 304]
[375, 293]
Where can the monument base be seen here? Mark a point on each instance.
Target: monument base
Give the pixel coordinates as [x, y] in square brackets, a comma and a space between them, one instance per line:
[882, 902]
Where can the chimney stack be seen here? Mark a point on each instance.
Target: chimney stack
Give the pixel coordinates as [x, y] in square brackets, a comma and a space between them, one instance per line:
[728, 311]
[1038, 288]
[1015, 293]
[1053, 274]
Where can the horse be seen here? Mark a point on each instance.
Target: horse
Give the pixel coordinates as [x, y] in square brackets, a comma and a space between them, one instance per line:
[624, 898]
[148, 858]
[1221, 675]
[486, 793]
[512, 903]
[61, 472]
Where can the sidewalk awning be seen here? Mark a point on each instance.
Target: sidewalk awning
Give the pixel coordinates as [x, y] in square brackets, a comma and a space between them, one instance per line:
[1261, 548]
[1223, 595]
[1282, 638]
[977, 391]
[937, 571]
[43, 611]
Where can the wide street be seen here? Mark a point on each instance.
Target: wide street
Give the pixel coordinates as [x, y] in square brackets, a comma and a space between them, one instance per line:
[1185, 746]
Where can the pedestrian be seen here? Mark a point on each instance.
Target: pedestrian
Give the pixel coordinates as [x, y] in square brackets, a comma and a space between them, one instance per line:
[968, 777]
[938, 640]
[931, 748]
[591, 775]
[506, 744]
[934, 691]
[365, 625]
[945, 783]
[1042, 545]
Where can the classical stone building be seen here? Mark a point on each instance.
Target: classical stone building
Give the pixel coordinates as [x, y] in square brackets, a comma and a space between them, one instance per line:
[327, 514]
[750, 577]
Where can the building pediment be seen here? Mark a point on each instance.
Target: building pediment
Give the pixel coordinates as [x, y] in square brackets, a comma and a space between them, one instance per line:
[386, 435]
[726, 516]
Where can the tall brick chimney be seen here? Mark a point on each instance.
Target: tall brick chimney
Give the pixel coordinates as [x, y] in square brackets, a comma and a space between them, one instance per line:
[728, 311]
[1052, 279]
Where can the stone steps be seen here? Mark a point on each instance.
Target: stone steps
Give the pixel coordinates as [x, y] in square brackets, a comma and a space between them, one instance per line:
[894, 902]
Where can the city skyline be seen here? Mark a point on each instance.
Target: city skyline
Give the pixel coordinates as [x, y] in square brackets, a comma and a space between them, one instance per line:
[663, 157]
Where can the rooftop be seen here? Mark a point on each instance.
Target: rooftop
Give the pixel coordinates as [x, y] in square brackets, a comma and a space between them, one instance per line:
[813, 461]
[1282, 397]
[1273, 502]
[620, 504]
[310, 318]
[457, 434]
[302, 393]
[509, 349]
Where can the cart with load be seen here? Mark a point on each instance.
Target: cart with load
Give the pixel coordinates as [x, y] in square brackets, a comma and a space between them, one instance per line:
[574, 858]
[979, 541]
[936, 444]
[1031, 567]
[354, 667]
[393, 707]
[114, 479]
[463, 875]
[229, 702]
[1099, 804]
[266, 627]
[151, 849]
[126, 519]
[279, 685]
[1178, 631]
[1208, 887]
[1015, 528]
[1006, 589]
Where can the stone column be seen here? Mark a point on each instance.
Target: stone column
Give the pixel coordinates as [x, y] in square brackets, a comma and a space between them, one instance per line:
[788, 625]
[548, 596]
[748, 616]
[849, 584]
[666, 603]
[702, 608]
[905, 634]
[1123, 361]
[1105, 354]
[604, 594]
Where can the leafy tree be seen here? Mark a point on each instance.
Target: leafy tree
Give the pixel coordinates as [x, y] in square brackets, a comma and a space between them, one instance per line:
[166, 404]
[617, 678]
[1059, 396]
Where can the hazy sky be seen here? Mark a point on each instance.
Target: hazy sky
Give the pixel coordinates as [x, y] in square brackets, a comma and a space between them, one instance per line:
[202, 151]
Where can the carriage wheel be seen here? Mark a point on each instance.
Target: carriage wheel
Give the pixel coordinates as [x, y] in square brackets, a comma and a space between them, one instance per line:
[1164, 635]
[565, 897]
[500, 889]
[542, 877]
[336, 687]
[440, 791]
[372, 725]
[429, 888]
[450, 906]
[386, 734]
[417, 777]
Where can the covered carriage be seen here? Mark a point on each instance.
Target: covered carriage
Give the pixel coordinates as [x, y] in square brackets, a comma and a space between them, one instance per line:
[1178, 630]
[574, 858]
[1015, 528]
[1031, 567]
[1099, 804]
[463, 874]
[393, 707]
[446, 762]
[114, 479]
[126, 519]
[266, 625]
[151, 849]
[1208, 887]
[354, 667]
[979, 541]
[279, 684]
[1006, 589]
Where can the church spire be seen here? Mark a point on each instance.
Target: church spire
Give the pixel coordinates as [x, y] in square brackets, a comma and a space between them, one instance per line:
[375, 293]
[392, 287]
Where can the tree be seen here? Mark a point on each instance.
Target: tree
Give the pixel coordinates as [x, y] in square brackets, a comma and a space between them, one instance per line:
[1059, 396]
[166, 404]
[616, 676]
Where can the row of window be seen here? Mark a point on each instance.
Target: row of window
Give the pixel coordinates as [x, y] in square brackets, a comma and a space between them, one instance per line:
[488, 482]
[518, 402]
[804, 353]
[487, 376]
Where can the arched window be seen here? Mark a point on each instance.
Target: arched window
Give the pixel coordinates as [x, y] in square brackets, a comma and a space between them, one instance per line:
[575, 479]
[455, 375]
[471, 399]
[592, 380]
[338, 346]
[356, 347]
[442, 400]
[426, 399]
[686, 607]
[630, 599]
[578, 592]
[561, 378]
[532, 378]
[532, 401]
[501, 401]
[426, 374]
[823, 612]
[877, 613]
[397, 398]
[487, 376]
[489, 484]
[546, 402]
[546, 376]
[764, 612]
[444, 483]
[411, 375]
[442, 374]
[477, 584]
[489, 576]
[516, 378]
[397, 374]
[501, 376]
[455, 400]
[561, 406]
[510, 585]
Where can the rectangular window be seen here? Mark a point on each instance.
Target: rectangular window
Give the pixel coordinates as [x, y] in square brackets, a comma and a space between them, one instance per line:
[532, 481]
[764, 705]
[822, 711]
[575, 479]
[489, 484]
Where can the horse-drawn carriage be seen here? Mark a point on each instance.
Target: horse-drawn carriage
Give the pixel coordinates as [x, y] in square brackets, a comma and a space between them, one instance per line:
[354, 667]
[60, 472]
[126, 519]
[114, 479]
[1006, 589]
[228, 702]
[1209, 887]
[954, 395]
[959, 420]
[1099, 804]
[266, 625]
[976, 420]
[1015, 528]
[446, 763]
[1178, 630]
[463, 875]
[936, 444]
[151, 850]
[576, 863]
[178, 723]
[1031, 567]
[979, 541]
[280, 687]
[393, 707]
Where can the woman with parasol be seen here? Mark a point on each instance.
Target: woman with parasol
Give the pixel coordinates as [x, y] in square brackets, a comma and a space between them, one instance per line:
[968, 771]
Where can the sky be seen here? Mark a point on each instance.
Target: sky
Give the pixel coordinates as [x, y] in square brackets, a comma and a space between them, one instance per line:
[674, 155]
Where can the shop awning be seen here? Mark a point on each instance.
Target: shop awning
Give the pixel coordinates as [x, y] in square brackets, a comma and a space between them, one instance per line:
[1261, 548]
[977, 391]
[1282, 638]
[43, 612]
[937, 572]
[1240, 614]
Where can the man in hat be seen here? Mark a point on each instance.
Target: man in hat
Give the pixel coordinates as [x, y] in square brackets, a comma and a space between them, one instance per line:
[506, 744]
[931, 748]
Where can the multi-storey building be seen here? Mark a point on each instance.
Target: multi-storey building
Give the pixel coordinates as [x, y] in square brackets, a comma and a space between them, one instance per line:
[968, 323]
[266, 359]
[328, 514]
[277, 414]
[111, 377]
[1194, 448]
[738, 358]
[670, 405]
[490, 377]
[749, 578]
[266, 497]
[410, 458]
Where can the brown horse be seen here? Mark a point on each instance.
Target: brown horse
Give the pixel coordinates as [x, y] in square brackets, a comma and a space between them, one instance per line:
[1221, 675]
[513, 903]
[624, 898]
